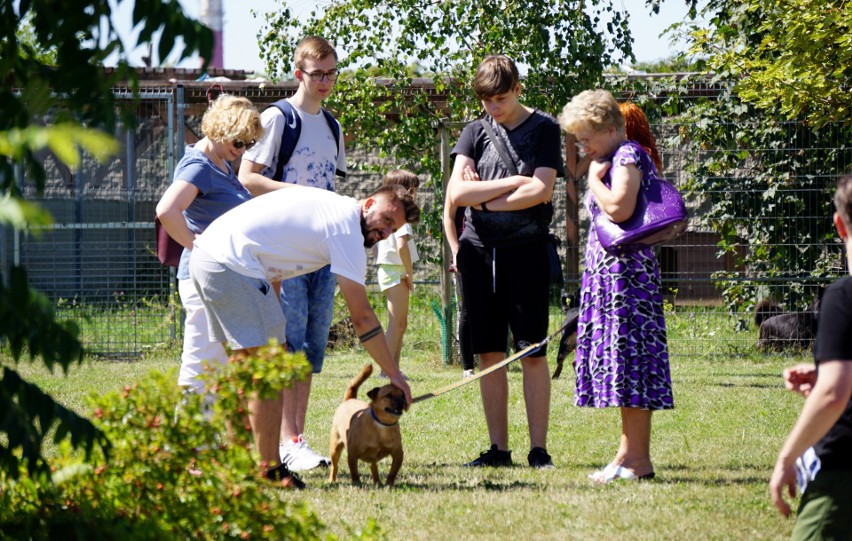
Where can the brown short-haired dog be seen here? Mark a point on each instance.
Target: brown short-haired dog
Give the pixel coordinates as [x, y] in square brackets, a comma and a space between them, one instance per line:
[368, 432]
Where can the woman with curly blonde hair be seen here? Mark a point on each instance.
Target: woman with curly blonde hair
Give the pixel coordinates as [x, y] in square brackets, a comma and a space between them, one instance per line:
[204, 188]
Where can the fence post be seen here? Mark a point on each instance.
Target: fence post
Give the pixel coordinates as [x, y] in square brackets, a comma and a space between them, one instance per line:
[170, 161]
[575, 170]
[448, 323]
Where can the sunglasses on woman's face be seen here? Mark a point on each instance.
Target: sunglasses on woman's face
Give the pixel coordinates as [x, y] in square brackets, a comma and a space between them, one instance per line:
[238, 144]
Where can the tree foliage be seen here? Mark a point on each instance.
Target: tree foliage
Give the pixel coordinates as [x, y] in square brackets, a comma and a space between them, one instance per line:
[558, 45]
[767, 149]
[674, 64]
[55, 94]
[793, 56]
[768, 182]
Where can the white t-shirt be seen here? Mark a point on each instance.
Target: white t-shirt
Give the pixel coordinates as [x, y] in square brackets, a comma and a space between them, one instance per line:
[287, 233]
[387, 252]
[314, 160]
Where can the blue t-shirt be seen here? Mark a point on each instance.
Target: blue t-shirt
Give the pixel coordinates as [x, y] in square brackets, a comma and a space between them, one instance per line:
[218, 192]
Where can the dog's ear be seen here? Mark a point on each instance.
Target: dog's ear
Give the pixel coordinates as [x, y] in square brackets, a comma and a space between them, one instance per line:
[374, 392]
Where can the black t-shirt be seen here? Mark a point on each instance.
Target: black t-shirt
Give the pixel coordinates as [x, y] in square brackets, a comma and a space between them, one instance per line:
[834, 343]
[536, 142]
[458, 219]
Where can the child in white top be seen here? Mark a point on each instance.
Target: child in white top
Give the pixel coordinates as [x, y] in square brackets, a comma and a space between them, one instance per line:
[395, 257]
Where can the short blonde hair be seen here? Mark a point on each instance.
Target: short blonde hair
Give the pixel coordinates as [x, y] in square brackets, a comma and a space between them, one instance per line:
[231, 118]
[594, 110]
[313, 47]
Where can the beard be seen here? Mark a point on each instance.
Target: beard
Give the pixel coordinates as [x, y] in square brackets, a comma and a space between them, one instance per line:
[369, 241]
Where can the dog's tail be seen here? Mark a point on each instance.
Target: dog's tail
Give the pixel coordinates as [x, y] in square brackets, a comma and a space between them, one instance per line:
[352, 390]
[765, 309]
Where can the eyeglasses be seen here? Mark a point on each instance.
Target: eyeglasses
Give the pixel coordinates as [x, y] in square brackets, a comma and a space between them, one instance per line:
[238, 144]
[318, 76]
[584, 142]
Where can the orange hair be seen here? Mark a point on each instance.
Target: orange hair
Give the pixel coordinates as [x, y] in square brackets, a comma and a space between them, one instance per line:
[637, 128]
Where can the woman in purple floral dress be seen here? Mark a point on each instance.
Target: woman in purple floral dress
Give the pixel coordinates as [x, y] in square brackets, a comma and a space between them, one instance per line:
[622, 353]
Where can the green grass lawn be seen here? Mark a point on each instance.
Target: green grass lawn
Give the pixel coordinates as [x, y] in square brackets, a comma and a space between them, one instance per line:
[713, 454]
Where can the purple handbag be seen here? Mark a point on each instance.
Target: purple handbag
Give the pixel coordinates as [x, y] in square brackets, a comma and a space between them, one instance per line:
[660, 214]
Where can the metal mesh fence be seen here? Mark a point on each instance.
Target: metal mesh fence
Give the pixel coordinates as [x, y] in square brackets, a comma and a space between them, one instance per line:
[98, 264]
[760, 189]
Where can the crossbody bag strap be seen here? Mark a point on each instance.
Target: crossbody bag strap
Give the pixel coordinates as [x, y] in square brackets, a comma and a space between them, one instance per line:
[545, 210]
[498, 145]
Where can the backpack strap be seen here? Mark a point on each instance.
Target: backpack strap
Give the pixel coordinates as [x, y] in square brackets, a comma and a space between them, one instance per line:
[293, 130]
[335, 130]
[289, 136]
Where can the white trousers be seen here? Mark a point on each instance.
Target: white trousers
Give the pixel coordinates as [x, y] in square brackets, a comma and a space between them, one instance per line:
[197, 346]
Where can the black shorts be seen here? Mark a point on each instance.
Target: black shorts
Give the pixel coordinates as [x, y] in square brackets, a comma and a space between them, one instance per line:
[505, 288]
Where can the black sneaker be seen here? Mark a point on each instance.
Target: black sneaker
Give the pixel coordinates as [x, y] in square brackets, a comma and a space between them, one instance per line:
[539, 459]
[280, 474]
[493, 457]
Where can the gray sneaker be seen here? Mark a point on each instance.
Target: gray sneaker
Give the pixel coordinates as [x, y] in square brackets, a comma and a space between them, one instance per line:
[298, 456]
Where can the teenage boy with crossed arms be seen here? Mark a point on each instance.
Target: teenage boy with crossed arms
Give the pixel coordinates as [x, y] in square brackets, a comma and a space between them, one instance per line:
[502, 257]
[318, 156]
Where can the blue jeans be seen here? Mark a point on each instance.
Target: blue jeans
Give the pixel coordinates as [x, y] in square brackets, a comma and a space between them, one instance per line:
[308, 304]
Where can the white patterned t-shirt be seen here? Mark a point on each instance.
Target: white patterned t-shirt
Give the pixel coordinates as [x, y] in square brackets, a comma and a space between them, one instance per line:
[315, 159]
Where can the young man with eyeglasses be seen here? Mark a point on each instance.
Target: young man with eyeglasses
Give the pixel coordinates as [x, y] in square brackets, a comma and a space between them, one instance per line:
[315, 159]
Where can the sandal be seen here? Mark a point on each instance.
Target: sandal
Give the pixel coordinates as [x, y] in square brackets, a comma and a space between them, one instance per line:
[614, 472]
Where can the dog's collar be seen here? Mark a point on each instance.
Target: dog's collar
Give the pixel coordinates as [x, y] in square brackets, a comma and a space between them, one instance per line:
[373, 415]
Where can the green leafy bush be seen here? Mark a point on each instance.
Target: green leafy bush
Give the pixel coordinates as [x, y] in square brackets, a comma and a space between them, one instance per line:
[172, 471]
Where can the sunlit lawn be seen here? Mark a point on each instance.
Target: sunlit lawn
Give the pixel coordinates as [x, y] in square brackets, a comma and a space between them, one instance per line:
[713, 453]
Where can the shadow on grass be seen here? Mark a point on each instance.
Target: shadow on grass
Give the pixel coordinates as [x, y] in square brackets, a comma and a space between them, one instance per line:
[667, 475]
[707, 475]
[752, 385]
[766, 375]
[662, 478]
[460, 486]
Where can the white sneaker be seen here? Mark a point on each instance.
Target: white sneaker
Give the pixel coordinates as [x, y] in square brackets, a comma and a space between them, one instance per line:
[298, 455]
[385, 376]
[467, 374]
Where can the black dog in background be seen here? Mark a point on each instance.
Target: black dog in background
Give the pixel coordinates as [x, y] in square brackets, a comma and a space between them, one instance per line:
[780, 330]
